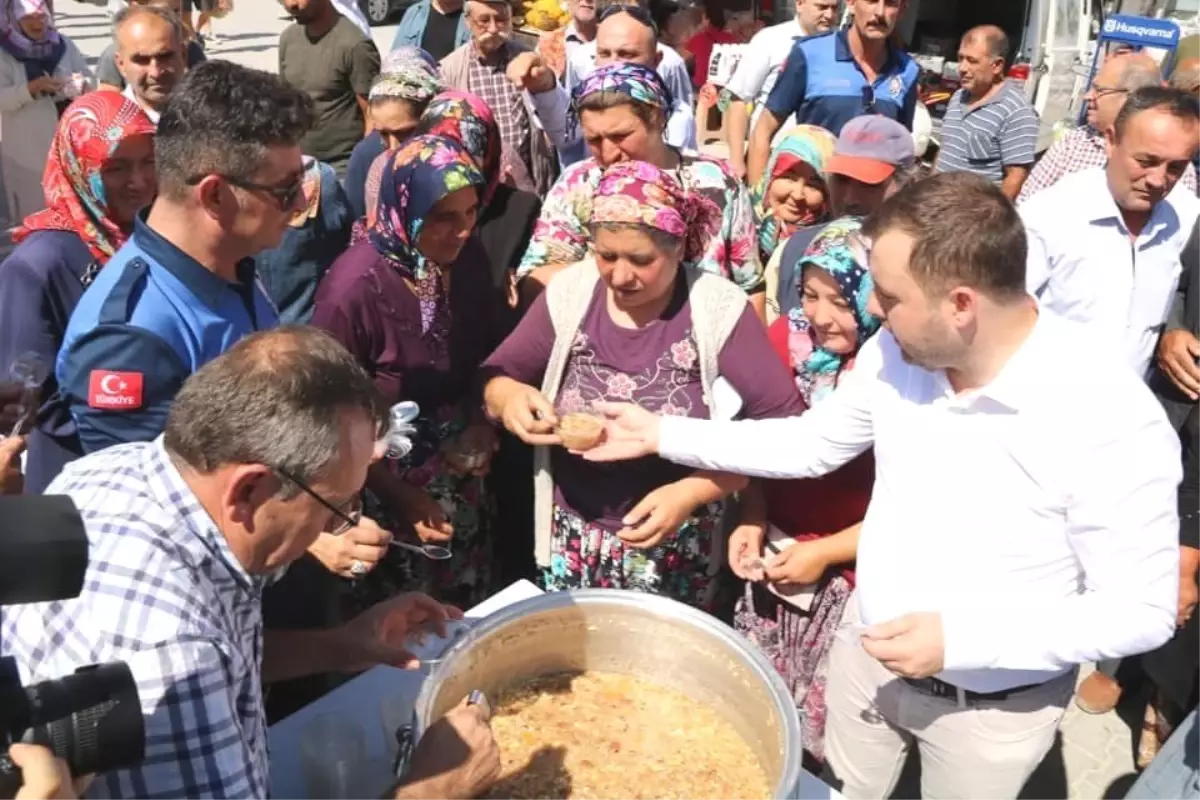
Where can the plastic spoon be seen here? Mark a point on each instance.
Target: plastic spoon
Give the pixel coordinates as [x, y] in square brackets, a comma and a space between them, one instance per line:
[431, 551]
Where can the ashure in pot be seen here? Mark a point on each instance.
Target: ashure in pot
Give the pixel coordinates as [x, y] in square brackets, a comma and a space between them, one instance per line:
[630, 633]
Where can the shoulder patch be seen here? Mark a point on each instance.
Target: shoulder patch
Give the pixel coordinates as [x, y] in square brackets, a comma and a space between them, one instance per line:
[115, 391]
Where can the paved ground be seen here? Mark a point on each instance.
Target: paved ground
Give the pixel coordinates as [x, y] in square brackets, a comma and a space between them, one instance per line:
[248, 36]
[1093, 758]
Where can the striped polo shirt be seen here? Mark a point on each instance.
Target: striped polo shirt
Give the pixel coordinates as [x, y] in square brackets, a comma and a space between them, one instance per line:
[1000, 132]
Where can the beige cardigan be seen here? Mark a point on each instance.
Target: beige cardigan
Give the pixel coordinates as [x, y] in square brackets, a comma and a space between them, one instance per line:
[716, 306]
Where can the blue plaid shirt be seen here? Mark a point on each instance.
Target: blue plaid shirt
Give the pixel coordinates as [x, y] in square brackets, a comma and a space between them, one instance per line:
[164, 593]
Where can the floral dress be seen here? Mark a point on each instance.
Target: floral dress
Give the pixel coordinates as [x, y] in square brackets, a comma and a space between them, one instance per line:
[561, 235]
[657, 367]
[589, 553]
[463, 579]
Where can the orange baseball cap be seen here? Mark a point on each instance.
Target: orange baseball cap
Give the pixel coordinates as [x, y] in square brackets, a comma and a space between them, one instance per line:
[870, 148]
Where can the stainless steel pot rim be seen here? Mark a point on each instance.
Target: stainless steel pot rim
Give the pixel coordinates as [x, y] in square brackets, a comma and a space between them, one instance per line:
[661, 606]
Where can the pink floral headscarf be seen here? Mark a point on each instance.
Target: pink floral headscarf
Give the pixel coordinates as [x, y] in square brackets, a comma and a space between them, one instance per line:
[639, 193]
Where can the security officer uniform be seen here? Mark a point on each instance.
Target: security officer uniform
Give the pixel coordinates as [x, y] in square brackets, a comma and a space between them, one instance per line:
[153, 316]
[822, 84]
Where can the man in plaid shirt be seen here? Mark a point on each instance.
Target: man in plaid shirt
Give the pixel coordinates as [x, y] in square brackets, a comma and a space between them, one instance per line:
[265, 447]
[480, 66]
[1083, 148]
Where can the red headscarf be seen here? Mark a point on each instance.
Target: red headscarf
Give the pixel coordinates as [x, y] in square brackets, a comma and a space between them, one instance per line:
[90, 130]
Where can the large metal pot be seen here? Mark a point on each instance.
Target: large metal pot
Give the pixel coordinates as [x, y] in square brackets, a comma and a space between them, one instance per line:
[630, 633]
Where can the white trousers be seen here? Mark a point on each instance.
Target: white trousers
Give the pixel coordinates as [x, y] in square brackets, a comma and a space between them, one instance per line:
[988, 748]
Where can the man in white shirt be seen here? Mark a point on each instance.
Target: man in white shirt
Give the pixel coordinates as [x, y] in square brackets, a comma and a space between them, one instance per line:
[150, 55]
[1104, 243]
[761, 61]
[1023, 518]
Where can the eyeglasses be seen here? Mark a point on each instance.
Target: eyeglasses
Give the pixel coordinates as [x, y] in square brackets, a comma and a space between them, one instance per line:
[633, 10]
[351, 518]
[284, 196]
[1105, 91]
[346, 519]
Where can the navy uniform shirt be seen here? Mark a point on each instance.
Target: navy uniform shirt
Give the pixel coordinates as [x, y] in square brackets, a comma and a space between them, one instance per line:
[822, 84]
[152, 317]
[41, 282]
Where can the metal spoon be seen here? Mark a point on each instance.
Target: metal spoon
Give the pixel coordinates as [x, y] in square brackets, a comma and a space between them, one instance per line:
[431, 551]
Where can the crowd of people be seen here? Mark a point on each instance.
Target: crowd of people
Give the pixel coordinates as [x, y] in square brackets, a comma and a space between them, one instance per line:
[896, 424]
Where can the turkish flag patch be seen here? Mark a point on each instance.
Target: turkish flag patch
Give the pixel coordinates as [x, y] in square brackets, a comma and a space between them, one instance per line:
[115, 391]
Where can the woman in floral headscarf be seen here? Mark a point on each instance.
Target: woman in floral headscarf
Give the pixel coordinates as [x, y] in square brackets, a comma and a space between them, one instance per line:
[622, 109]
[505, 224]
[508, 215]
[792, 193]
[799, 562]
[100, 171]
[791, 196]
[408, 80]
[413, 304]
[634, 324]
[40, 69]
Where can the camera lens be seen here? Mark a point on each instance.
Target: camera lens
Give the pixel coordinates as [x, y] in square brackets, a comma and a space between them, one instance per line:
[91, 719]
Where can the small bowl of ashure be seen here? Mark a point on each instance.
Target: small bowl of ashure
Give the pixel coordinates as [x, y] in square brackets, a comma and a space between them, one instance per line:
[600, 693]
[580, 430]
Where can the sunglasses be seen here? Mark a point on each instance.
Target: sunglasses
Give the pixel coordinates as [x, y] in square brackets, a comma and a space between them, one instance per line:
[284, 196]
[350, 519]
[633, 10]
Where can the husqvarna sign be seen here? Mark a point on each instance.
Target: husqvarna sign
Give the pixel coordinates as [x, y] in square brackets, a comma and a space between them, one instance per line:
[1141, 31]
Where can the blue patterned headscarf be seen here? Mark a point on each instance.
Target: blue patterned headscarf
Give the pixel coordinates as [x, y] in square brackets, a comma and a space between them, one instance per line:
[816, 368]
[641, 84]
[416, 177]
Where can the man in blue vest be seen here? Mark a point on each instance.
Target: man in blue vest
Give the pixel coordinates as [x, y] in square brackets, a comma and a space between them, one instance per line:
[829, 80]
[182, 290]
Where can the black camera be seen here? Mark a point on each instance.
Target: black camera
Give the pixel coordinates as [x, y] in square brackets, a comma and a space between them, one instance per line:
[91, 719]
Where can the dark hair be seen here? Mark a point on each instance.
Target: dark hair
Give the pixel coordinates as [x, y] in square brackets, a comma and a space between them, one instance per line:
[221, 119]
[965, 232]
[662, 240]
[715, 11]
[662, 11]
[993, 38]
[1177, 103]
[274, 398]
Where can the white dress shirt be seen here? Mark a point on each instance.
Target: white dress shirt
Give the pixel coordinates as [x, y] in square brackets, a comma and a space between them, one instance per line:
[758, 70]
[1037, 515]
[1084, 266]
[150, 112]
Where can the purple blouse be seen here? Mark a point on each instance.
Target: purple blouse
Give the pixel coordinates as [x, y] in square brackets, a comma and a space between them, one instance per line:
[656, 367]
[365, 303]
